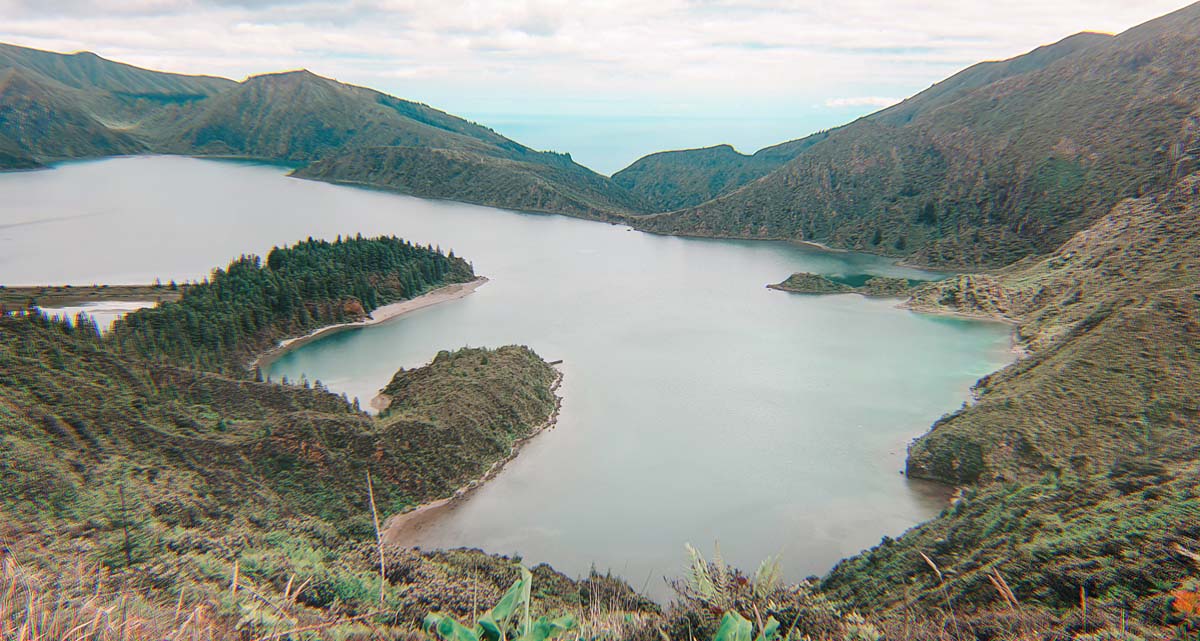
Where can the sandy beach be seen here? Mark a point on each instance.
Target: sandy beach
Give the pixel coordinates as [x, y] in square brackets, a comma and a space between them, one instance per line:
[380, 315]
[403, 528]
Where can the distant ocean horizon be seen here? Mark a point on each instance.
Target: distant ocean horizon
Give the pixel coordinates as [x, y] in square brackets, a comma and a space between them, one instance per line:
[607, 144]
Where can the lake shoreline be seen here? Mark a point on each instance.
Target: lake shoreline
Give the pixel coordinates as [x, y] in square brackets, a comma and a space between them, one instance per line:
[603, 302]
[1016, 345]
[401, 529]
[382, 314]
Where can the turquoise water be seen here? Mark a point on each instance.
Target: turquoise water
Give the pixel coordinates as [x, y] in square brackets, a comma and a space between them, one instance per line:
[699, 405]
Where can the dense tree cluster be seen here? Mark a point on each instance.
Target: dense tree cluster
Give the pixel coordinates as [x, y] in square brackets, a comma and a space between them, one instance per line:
[246, 308]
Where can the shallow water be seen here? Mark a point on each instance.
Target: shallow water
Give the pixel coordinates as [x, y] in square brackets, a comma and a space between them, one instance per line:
[102, 313]
[699, 405]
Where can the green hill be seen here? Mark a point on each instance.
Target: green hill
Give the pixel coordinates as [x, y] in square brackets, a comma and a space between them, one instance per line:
[673, 180]
[1001, 161]
[87, 71]
[676, 179]
[299, 116]
[56, 106]
[528, 185]
[12, 156]
[1110, 319]
[1080, 458]
[157, 479]
[45, 121]
[356, 135]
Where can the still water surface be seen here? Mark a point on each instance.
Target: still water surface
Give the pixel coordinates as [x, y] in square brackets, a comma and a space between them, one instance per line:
[699, 406]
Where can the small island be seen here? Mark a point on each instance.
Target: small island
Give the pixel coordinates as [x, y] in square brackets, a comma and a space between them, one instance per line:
[808, 283]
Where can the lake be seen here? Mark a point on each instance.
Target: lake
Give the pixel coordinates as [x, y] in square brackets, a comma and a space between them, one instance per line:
[699, 406]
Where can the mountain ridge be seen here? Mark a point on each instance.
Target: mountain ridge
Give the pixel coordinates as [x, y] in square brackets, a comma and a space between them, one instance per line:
[84, 106]
[670, 171]
[989, 176]
[45, 121]
[87, 70]
[949, 177]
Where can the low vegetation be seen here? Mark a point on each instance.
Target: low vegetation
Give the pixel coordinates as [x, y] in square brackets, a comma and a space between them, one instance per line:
[169, 481]
[882, 286]
[806, 283]
[1110, 320]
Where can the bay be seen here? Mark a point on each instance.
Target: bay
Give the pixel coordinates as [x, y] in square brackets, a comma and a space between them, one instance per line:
[699, 406]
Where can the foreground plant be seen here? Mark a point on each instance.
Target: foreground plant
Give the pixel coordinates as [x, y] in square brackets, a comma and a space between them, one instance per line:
[735, 627]
[508, 620]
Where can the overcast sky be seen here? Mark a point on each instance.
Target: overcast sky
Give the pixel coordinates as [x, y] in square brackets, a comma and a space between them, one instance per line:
[825, 59]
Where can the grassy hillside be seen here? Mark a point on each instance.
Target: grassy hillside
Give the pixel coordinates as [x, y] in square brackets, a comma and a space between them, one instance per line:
[446, 411]
[1111, 322]
[1081, 458]
[150, 498]
[86, 70]
[999, 162]
[356, 135]
[1109, 542]
[676, 179]
[166, 476]
[12, 156]
[42, 120]
[465, 176]
[299, 116]
[55, 106]
[671, 180]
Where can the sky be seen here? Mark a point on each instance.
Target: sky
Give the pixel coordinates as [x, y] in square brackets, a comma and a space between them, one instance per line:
[605, 80]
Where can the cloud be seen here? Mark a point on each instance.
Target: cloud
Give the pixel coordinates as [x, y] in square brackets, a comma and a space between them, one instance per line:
[861, 101]
[686, 57]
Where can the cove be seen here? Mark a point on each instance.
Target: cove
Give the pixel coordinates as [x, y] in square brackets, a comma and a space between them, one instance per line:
[698, 405]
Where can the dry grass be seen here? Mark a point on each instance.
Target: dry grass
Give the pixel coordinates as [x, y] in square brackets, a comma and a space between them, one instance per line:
[86, 603]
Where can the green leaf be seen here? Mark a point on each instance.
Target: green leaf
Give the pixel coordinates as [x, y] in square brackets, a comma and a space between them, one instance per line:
[448, 629]
[770, 632]
[544, 628]
[431, 621]
[734, 627]
[504, 609]
[489, 628]
[526, 598]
